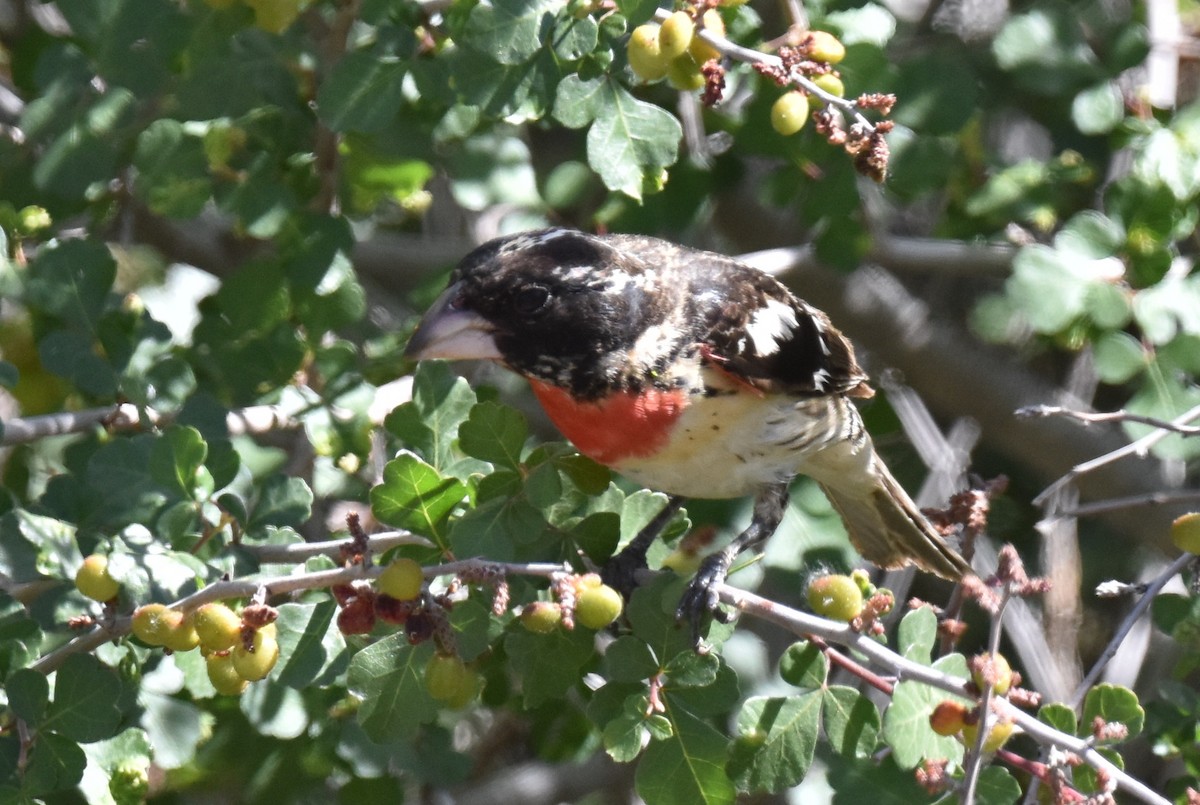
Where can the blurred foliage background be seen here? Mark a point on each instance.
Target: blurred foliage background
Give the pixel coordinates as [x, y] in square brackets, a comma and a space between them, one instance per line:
[212, 205]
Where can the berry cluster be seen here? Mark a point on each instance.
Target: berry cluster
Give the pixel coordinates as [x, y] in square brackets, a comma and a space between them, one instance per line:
[955, 718]
[585, 600]
[238, 648]
[674, 51]
[852, 599]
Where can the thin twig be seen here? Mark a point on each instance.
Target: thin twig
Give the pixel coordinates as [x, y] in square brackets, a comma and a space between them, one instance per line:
[974, 758]
[802, 623]
[1141, 447]
[1089, 417]
[1130, 502]
[300, 551]
[1135, 613]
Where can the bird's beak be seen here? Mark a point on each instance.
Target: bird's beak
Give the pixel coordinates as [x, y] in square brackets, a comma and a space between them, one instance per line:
[448, 331]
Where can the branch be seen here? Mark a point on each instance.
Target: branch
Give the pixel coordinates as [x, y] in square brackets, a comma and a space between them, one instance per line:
[279, 585]
[804, 624]
[1088, 417]
[1140, 448]
[256, 419]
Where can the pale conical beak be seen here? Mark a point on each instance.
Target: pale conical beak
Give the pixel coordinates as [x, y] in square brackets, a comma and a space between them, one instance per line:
[450, 332]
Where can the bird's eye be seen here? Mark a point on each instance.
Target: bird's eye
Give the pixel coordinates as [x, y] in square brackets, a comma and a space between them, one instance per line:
[531, 299]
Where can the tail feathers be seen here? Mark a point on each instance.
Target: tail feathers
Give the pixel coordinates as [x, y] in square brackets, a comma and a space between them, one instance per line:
[889, 531]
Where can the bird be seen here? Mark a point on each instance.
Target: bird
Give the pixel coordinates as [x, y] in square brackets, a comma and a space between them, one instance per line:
[687, 372]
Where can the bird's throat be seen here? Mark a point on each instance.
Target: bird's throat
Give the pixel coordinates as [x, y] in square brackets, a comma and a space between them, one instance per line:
[624, 425]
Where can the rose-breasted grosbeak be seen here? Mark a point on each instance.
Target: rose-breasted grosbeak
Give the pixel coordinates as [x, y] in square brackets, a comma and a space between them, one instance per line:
[687, 372]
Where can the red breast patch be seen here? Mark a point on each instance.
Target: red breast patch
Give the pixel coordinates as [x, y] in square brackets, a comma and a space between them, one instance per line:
[621, 426]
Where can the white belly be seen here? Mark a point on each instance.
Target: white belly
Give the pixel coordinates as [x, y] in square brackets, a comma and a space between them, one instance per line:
[734, 444]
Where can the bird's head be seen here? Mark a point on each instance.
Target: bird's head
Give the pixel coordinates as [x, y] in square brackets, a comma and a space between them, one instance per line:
[556, 305]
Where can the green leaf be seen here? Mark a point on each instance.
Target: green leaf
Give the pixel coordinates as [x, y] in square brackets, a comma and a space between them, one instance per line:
[176, 457]
[1119, 356]
[508, 31]
[1059, 716]
[501, 529]
[1098, 109]
[1114, 704]
[495, 433]
[71, 279]
[415, 496]
[997, 787]
[28, 694]
[389, 676]
[906, 721]
[804, 665]
[691, 669]
[687, 768]
[548, 665]
[70, 355]
[777, 738]
[173, 172]
[852, 722]
[717, 698]
[309, 649]
[577, 100]
[637, 11]
[628, 659]
[9, 375]
[282, 501]
[55, 764]
[362, 93]
[274, 710]
[573, 37]
[175, 728]
[631, 141]
[85, 700]
[917, 634]
[428, 424]
[624, 735]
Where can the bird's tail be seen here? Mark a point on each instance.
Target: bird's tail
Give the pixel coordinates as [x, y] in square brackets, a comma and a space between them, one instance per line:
[889, 531]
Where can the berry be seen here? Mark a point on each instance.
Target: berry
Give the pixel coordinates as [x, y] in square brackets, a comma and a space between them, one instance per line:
[447, 676]
[92, 579]
[223, 675]
[181, 632]
[947, 718]
[831, 84]
[676, 34]
[541, 617]
[824, 46]
[218, 626]
[343, 593]
[683, 73]
[597, 607]
[587, 581]
[256, 662]
[402, 580]
[1185, 532]
[835, 597]
[357, 617]
[702, 51]
[1002, 673]
[789, 113]
[151, 624]
[997, 736]
[645, 56]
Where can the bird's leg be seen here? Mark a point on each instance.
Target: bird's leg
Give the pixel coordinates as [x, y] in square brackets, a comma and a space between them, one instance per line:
[620, 571]
[701, 597]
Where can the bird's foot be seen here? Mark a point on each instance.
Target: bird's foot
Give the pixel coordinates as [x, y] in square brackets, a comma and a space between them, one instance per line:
[621, 571]
[701, 598]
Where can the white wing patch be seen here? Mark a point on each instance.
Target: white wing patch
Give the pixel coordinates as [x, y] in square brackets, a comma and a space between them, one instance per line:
[769, 325]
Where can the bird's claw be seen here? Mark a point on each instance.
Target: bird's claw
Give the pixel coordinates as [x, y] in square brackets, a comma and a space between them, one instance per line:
[620, 572]
[701, 597]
